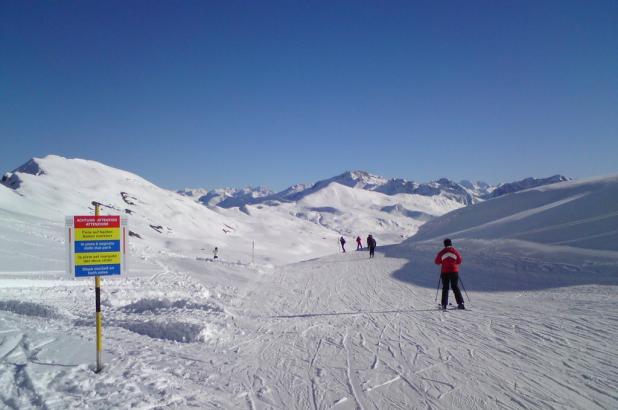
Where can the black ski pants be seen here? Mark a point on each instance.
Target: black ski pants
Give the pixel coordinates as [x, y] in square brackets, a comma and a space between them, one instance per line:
[372, 250]
[451, 280]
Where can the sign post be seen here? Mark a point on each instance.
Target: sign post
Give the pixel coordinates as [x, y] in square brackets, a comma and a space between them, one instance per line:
[96, 248]
[97, 296]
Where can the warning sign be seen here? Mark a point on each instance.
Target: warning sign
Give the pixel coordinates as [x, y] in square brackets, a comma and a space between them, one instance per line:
[97, 245]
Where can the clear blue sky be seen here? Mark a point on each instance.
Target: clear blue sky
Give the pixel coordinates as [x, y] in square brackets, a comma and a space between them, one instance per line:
[228, 93]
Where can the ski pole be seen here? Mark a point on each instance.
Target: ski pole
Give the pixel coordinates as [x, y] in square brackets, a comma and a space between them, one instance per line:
[464, 288]
[438, 287]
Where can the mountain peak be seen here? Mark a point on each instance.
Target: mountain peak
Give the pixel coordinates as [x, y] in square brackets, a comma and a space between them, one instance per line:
[358, 179]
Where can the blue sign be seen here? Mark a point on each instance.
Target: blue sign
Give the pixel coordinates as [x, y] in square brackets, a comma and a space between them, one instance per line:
[97, 270]
[97, 246]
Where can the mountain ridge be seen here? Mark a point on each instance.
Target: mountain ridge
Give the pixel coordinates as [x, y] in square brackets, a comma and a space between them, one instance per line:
[352, 203]
[464, 192]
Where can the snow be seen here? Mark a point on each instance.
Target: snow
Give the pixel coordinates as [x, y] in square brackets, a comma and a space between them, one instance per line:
[578, 213]
[302, 325]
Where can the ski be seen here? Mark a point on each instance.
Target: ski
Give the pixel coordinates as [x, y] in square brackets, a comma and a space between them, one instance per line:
[450, 307]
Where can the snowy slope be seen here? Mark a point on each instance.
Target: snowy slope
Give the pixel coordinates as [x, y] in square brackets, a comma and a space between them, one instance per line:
[339, 332]
[336, 332]
[160, 220]
[390, 218]
[582, 214]
[556, 235]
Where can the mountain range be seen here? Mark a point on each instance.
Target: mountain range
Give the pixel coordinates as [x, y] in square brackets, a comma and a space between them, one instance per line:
[302, 216]
[463, 192]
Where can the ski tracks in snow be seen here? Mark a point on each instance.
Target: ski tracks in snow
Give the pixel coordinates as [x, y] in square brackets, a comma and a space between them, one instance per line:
[335, 333]
[348, 335]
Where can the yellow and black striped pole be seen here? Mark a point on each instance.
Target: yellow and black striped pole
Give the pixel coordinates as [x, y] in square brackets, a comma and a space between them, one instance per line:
[97, 292]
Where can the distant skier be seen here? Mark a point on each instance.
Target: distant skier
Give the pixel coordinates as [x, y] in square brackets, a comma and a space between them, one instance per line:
[342, 241]
[371, 244]
[359, 243]
[450, 259]
[215, 252]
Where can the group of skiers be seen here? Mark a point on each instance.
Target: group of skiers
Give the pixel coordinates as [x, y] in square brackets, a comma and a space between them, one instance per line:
[448, 258]
[371, 244]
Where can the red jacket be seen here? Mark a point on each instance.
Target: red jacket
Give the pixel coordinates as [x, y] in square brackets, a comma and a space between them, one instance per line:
[450, 259]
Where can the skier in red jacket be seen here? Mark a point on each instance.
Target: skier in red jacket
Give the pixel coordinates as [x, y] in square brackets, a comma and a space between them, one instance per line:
[450, 259]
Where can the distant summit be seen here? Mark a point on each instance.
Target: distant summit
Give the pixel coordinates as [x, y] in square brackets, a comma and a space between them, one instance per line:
[357, 179]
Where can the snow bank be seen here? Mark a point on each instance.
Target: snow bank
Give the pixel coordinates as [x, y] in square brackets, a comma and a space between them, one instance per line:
[153, 305]
[29, 309]
[175, 331]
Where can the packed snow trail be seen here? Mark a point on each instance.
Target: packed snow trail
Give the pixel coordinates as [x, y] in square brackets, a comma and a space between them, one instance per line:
[340, 332]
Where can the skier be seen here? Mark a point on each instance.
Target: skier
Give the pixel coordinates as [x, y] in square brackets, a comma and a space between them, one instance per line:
[371, 244]
[342, 241]
[359, 244]
[215, 252]
[450, 259]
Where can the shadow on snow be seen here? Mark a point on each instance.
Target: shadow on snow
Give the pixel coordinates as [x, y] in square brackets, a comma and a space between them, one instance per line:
[498, 268]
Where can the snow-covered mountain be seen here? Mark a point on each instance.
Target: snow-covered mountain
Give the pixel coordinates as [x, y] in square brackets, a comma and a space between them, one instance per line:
[464, 192]
[352, 179]
[357, 202]
[582, 214]
[53, 187]
[227, 197]
[351, 204]
[512, 187]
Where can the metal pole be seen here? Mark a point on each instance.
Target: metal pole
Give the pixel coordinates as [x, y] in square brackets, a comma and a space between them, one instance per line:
[464, 288]
[97, 293]
[438, 287]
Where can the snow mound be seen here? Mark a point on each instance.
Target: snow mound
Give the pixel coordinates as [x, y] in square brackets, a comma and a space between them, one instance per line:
[175, 331]
[29, 309]
[153, 305]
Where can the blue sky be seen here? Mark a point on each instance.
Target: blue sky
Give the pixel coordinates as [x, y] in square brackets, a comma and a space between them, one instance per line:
[210, 94]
